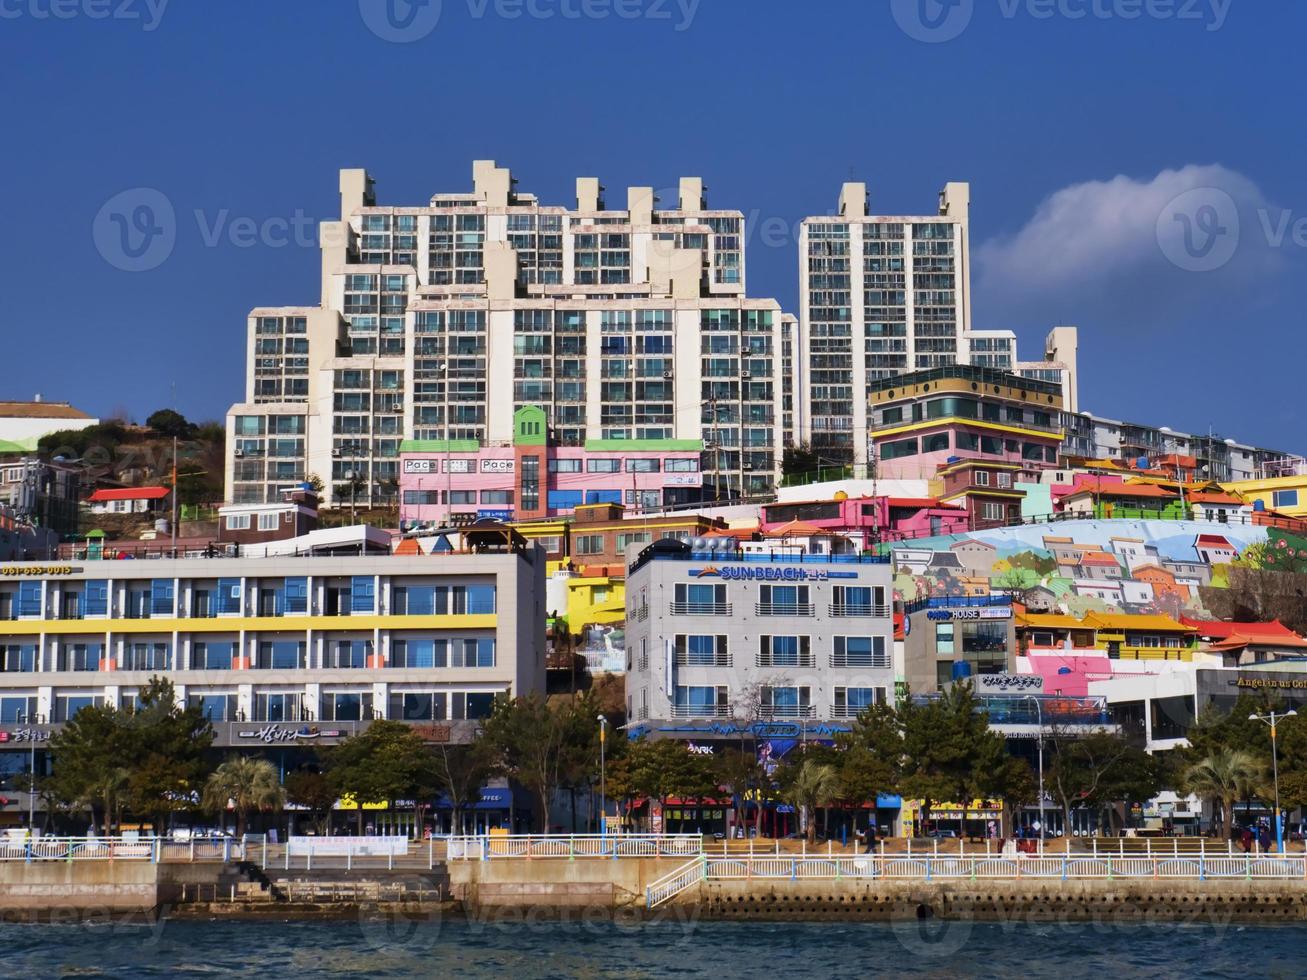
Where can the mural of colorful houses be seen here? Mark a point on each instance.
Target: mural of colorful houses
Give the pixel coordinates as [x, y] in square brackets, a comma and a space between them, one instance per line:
[1077, 567]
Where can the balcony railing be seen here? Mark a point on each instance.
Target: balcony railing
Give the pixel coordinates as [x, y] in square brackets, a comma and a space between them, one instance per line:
[697, 660]
[788, 711]
[881, 660]
[700, 711]
[800, 660]
[847, 710]
[784, 608]
[862, 609]
[701, 608]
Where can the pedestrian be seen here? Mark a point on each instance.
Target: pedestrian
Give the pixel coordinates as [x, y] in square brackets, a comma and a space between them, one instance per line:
[1264, 839]
[1246, 839]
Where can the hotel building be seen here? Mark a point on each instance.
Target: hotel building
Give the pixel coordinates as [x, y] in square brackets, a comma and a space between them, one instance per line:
[285, 651]
[439, 321]
[716, 632]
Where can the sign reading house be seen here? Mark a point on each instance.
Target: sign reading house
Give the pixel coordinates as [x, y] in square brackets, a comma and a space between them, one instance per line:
[1008, 683]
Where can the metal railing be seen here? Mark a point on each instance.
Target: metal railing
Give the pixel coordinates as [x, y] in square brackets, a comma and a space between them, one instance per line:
[701, 609]
[154, 850]
[817, 867]
[571, 846]
[784, 608]
[844, 609]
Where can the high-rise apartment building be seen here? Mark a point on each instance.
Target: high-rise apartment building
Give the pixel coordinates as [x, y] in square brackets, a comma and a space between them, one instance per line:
[438, 322]
[879, 296]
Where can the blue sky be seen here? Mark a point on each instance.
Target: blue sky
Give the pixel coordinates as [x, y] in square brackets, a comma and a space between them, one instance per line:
[1077, 133]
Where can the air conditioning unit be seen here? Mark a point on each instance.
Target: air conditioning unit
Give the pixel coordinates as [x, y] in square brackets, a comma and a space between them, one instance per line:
[335, 453]
[238, 453]
[745, 375]
[667, 375]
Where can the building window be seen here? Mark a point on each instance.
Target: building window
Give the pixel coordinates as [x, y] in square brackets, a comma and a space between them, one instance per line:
[982, 478]
[700, 702]
[786, 702]
[269, 522]
[859, 651]
[993, 512]
[603, 465]
[944, 638]
[500, 497]
[632, 537]
[212, 656]
[564, 466]
[590, 544]
[702, 651]
[852, 701]
[785, 651]
[899, 448]
[681, 466]
[238, 522]
[1284, 498]
[1004, 480]
[642, 465]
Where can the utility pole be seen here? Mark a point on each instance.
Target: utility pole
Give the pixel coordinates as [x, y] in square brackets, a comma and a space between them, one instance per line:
[174, 496]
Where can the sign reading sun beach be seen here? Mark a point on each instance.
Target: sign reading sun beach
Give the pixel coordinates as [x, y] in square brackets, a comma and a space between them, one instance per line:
[768, 573]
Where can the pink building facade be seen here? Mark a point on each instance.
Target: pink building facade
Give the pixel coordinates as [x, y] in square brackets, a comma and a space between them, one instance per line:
[869, 520]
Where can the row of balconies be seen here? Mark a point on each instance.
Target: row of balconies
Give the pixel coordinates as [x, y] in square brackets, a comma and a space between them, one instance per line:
[840, 610]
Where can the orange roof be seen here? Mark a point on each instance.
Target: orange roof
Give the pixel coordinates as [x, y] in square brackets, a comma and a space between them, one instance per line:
[1207, 497]
[1098, 558]
[797, 529]
[1144, 623]
[1052, 621]
[130, 493]
[408, 546]
[1221, 630]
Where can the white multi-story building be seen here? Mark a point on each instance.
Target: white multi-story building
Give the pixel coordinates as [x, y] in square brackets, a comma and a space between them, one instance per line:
[879, 296]
[438, 321]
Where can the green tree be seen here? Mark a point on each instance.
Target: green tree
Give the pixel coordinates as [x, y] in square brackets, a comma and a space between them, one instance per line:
[170, 424]
[1225, 776]
[247, 785]
[945, 740]
[740, 772]
[312, 790]
[665, 768]
[800, 459]
[1096, 769]
[387, 761]
[157, 747]
[525, 736]
[459, 772]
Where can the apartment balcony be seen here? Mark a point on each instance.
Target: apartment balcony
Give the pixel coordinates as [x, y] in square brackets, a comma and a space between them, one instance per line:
[784, 608]
[694, 660]
[701, 608]
[788, 711]
[844, 610]
[700, 711]
[873, 661]
[768, 662]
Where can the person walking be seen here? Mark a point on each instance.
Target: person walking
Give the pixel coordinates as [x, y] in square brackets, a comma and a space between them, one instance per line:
[1246, 839]
[1264, 839]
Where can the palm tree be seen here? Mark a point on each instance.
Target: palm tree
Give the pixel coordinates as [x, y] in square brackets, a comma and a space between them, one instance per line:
[247, 785]
[814, 785]
[1224, 776]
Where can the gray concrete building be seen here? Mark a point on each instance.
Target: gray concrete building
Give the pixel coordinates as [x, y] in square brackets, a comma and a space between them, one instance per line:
[755, 637]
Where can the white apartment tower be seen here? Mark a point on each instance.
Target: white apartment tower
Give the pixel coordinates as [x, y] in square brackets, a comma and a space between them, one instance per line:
[879, 296]
[436, 322]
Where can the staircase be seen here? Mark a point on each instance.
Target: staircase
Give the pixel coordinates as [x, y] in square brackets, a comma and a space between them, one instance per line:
[248, 872]
[670, 885]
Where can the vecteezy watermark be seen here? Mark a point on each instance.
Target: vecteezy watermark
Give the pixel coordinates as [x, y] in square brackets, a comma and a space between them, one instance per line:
[148, 12]
[406, 21]
[137, 230]
[937, 21]
[1198, 231]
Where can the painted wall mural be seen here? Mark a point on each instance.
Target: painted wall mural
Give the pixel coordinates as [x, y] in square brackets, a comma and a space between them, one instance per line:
[1077, 567]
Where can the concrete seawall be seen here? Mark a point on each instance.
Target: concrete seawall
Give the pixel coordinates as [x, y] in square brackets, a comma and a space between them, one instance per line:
[114, 887]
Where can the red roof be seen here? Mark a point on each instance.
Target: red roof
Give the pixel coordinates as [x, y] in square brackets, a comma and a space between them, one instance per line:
[130, 493]
[1207, 497]
[1251, 632]
[1215, 541]
[920, 502]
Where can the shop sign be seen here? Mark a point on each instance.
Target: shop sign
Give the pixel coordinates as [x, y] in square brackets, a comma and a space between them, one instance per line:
[28, 571]
[497, 465]
[763, 573]
[978, 612]
[1273, 683]
[25, 735]
[776, 730]
[495, 515]
[417, 466]
[433, 733]
[695, 749]
[458, 466]
[1005, 683]
[287, 733]
[682, 480]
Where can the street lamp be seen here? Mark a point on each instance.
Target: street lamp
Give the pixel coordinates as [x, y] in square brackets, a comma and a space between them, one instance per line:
[603, 774]
[1039, 716]
[1270, 719]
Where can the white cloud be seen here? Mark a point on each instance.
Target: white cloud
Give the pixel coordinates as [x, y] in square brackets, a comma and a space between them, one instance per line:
[1114, 234]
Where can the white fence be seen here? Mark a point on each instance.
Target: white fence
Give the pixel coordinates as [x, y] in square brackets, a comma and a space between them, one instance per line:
[816, 867]
[527, 846]
[346, 846]
[153, 849]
